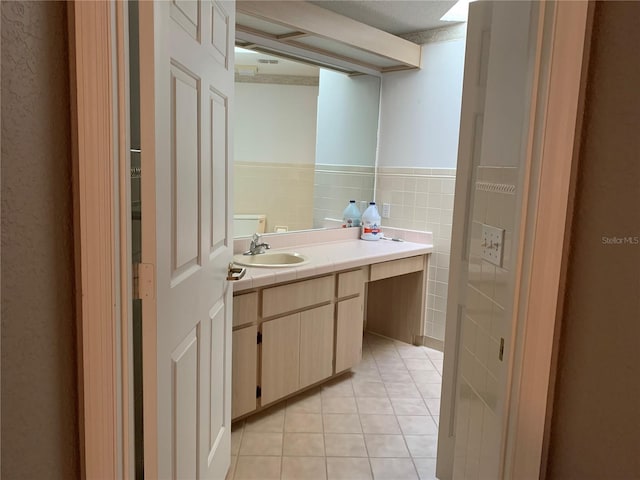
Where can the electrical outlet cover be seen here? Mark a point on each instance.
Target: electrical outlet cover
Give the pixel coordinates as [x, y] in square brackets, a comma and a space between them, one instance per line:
[492, 244]
[386, 210]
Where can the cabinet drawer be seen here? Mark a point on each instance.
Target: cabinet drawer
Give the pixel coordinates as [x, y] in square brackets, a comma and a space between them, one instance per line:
[394, 268]
[295, 296]
[245, 309]
[350, 283]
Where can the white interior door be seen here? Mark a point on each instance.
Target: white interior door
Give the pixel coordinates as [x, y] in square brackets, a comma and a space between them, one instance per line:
[497, 90]
[186, 83]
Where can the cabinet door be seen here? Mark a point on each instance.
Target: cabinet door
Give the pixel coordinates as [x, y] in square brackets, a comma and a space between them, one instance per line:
[280, 357]
[349, 333]
[244, 371]
[316, 345]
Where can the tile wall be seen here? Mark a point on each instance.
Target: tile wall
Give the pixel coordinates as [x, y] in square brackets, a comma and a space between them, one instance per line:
[488, 308]
[335, 185]
[281, 191]
[422, 199]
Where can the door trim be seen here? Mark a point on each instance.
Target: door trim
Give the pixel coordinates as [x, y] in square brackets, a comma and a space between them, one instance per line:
[550, 172]
[90, 53]
[546, 228]
[100, 166]
[148, 231]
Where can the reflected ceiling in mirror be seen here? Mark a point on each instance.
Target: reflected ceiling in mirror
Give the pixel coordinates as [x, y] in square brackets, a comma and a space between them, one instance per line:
[304, 143]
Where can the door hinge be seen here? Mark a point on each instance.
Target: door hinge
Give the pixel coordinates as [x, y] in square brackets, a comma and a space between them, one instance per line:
[501, 354]
[143, 281]
[259, 339]
[258, 392]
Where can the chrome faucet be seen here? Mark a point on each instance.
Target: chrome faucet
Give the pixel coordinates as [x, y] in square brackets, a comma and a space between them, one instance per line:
[256, 247]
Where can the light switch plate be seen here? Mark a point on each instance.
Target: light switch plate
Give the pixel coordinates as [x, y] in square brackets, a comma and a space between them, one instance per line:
[492, 244]
[386, 210]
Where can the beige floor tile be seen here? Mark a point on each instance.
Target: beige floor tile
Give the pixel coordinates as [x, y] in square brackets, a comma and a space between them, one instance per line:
[391, 446]
[426, 468]
[366, 375]
[430, 390]
[381, 424]
[417, 425]
[374, 406]
[402, 390]
[433, 404]
[409, 406]
[419, 364]
[236, 437]
[303, 422]
[344, 445]
[425, 376]
[257, 443]
[369, 389]
[386, 356]
[339, 405]
[232, 468]
[270, 420]
[410, 352]
[305, 403]
[258, 468]
[303, 445]
[341, 423]
[348, 469]
[304, 468]
[395, 366]
[365, 365]
[393, 469]
[340, 387]
[433, 353]
[421, 446]
[404, 377]
[379, 421]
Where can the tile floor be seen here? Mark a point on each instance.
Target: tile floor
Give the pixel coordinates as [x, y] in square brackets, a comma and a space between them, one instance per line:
[379, 421]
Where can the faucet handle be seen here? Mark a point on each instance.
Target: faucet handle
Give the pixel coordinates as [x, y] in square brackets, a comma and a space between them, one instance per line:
[256, 238]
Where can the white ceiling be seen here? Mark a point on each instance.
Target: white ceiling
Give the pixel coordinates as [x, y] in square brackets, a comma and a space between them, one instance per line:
[393, 16]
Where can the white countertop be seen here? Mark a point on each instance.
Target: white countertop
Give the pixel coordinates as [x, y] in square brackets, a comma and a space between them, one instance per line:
[330, 257]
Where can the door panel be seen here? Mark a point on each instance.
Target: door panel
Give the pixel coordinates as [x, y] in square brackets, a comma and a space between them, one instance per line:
[219, 162]
[185, 406]
[185, 169]
[185, 99]
[497, 90]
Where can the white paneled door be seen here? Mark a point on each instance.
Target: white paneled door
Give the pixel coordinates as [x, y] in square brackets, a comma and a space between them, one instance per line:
[501, 55]
[186, 87]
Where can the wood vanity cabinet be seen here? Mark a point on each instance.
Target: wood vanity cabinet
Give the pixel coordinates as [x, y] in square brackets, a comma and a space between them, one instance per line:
[244, 362]
[288, 337]
[297, 351]
[244, 370]
[349, 319]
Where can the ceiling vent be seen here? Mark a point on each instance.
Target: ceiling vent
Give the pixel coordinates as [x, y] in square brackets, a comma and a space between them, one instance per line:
[268, 61]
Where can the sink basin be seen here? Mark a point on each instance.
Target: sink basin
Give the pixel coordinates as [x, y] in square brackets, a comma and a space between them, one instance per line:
[271, 260]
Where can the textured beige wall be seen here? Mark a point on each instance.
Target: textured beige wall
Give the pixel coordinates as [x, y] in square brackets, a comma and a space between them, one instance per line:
[39, 401]
[595, 428]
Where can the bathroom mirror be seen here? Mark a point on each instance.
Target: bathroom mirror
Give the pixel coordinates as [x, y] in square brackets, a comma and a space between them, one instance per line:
[305, 143]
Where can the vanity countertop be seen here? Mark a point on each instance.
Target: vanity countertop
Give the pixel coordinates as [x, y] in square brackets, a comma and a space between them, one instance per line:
[325, 258]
